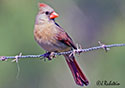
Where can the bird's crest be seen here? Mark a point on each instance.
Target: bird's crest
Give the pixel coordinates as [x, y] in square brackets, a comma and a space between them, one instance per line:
[41, 5]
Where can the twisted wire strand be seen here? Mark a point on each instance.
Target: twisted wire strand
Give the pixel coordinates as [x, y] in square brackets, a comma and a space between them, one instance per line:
[102, 46]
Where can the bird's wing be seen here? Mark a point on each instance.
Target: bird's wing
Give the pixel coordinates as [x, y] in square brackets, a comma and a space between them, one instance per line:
[63, 37]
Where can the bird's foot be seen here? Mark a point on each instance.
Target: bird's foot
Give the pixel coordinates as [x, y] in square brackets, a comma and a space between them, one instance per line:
[49, 55]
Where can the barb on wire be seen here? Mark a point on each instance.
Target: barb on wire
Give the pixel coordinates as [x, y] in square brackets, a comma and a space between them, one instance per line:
[77, 51]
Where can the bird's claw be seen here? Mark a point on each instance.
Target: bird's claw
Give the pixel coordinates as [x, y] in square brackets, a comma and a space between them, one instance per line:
[49, 55]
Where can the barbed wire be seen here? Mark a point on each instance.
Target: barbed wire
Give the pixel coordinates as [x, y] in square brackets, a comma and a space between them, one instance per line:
[78, 50]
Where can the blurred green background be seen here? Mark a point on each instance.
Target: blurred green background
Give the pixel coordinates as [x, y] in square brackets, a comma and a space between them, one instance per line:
[87, 21]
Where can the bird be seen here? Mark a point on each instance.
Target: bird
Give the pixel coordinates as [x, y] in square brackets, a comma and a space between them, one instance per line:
[52, 38]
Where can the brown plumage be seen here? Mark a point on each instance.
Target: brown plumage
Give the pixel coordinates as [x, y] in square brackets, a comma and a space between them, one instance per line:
[52, 38]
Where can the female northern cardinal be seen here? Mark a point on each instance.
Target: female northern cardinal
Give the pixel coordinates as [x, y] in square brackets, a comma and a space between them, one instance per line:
[52, 38]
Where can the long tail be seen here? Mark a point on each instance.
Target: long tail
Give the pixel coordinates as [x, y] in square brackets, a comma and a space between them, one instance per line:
[77, 73]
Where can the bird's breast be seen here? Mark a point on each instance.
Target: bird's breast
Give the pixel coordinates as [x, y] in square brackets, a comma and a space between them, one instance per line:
[45, 33]
[46, 38]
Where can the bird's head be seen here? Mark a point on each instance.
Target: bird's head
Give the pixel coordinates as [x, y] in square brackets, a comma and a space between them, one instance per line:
[46, 12]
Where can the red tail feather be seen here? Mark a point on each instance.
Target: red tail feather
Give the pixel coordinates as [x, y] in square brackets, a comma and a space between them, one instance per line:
[79, 77]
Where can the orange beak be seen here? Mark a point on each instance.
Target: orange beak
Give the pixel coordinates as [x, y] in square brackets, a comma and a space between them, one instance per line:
[53, 15]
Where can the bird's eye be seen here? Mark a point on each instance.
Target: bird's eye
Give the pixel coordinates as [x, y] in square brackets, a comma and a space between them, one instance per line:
[46, 12]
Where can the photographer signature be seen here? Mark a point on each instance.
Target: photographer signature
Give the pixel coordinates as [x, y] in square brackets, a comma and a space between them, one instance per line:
[107, 83]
